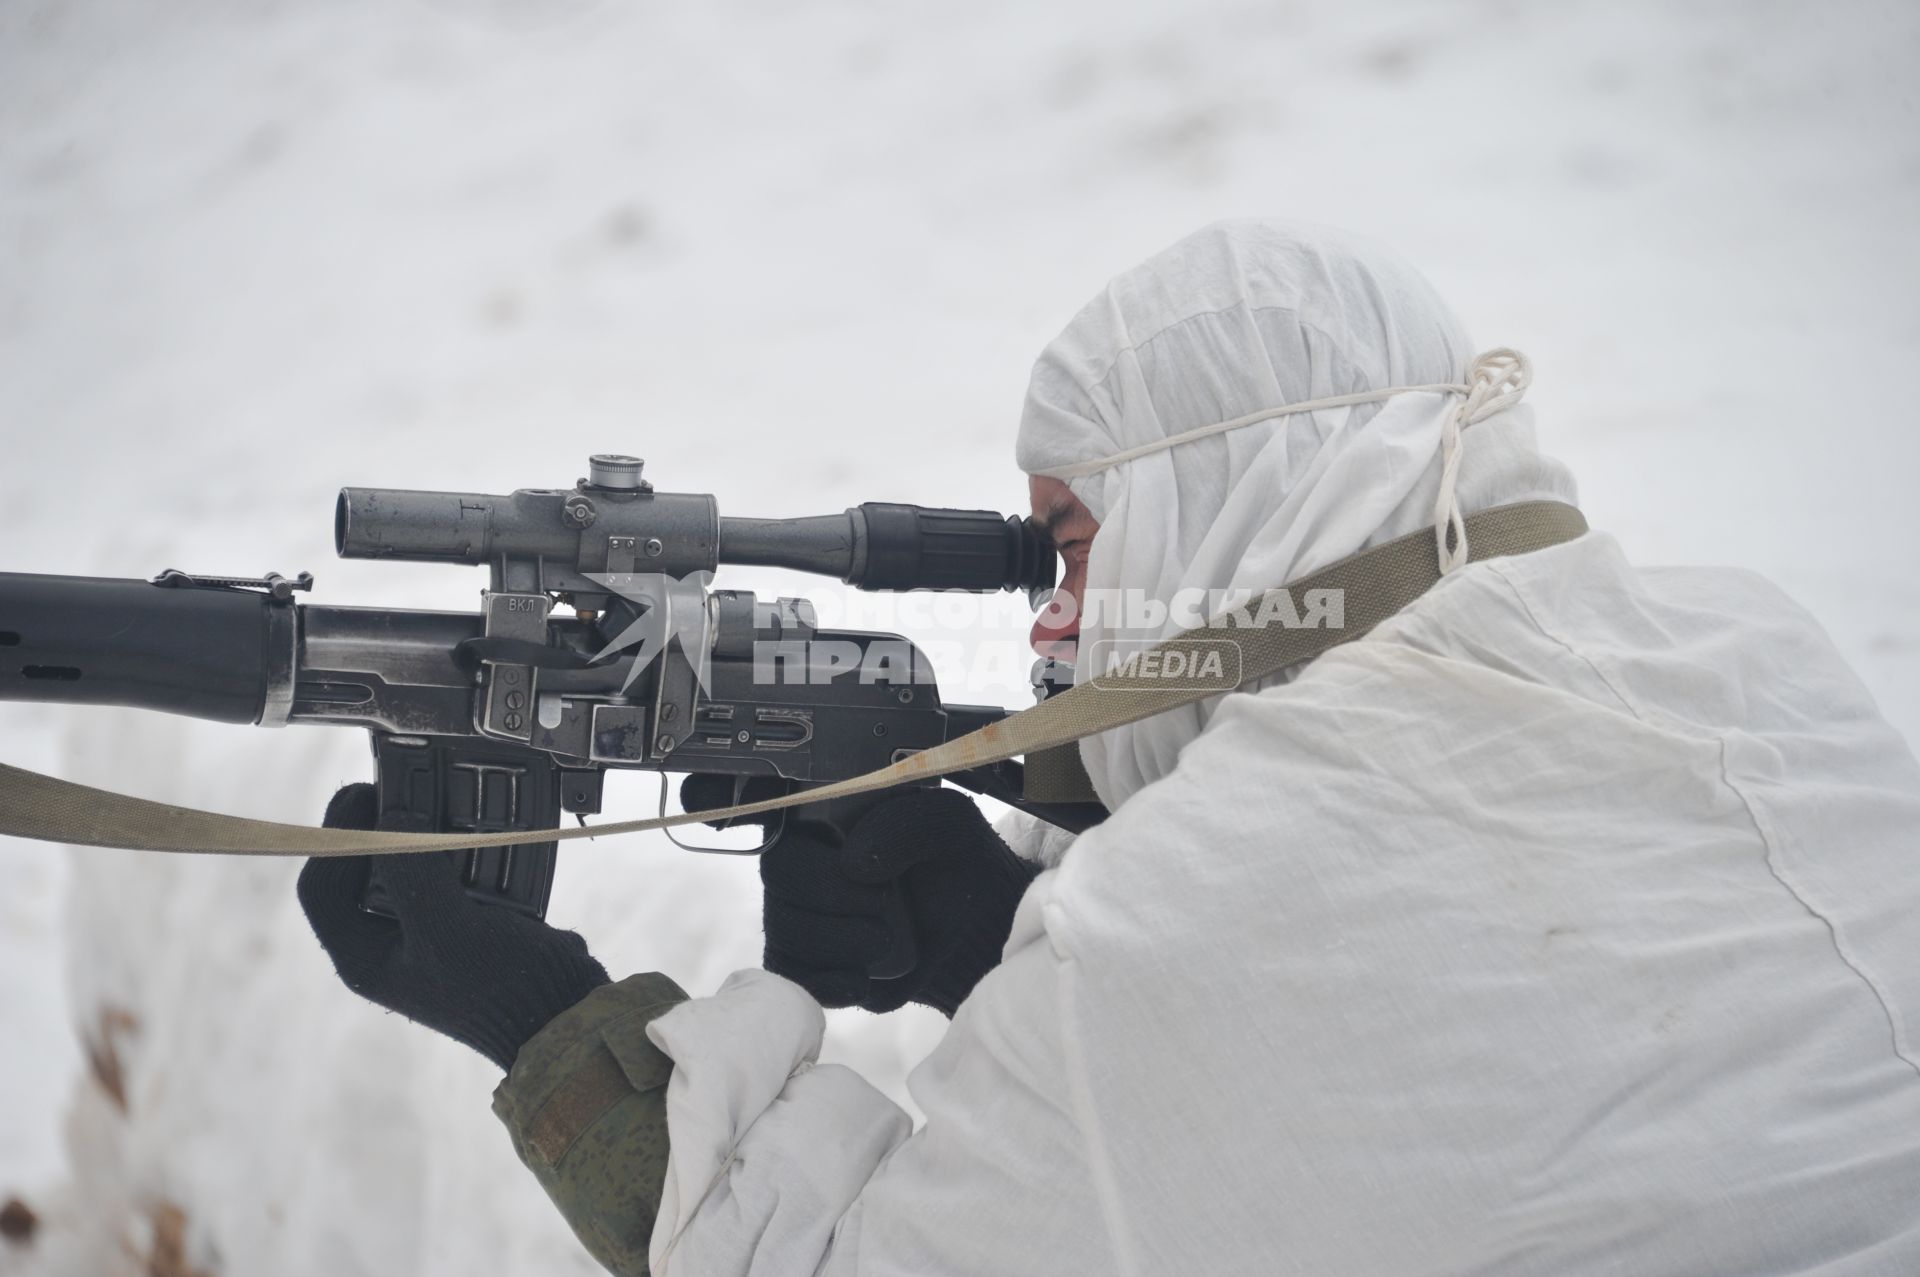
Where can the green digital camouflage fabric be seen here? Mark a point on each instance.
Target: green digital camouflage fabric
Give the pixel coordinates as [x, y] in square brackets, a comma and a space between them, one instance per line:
[586, 1105]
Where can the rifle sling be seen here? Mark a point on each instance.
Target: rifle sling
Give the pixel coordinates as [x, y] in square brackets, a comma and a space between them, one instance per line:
[1374, 584]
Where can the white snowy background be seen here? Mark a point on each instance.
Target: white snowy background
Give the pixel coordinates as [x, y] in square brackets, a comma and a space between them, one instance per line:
[799, 256]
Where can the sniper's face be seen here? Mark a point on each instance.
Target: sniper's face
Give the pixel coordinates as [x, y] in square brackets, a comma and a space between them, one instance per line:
[1056, 631]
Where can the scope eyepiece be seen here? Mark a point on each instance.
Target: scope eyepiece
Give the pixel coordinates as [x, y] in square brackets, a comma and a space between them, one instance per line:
[913, 548]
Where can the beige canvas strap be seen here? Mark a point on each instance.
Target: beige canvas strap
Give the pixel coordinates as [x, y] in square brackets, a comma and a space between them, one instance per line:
[1373, 585]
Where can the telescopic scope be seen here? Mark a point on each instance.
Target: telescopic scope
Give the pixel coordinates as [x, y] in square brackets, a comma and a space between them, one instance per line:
[614, 521]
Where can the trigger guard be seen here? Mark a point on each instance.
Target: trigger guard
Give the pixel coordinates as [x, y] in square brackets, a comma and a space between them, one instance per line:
[771, 832]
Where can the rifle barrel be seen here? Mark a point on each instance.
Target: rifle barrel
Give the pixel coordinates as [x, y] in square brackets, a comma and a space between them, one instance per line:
[82, 640]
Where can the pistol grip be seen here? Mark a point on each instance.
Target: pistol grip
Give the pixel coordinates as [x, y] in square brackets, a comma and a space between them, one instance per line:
[836, 817]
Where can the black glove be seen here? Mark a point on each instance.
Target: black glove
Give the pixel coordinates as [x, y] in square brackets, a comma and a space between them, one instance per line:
[481, 974]
[828, 903]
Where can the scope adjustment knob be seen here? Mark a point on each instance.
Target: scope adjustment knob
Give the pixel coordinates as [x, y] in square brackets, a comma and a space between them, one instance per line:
[616, 471]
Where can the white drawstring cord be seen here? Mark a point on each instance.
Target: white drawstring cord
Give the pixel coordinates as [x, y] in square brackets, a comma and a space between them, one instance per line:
[1495, 382]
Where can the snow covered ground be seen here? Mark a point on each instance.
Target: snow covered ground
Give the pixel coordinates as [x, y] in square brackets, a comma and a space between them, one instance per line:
[800, 257]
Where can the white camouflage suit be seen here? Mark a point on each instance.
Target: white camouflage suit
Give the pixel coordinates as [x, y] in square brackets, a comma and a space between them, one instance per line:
[1568, 923]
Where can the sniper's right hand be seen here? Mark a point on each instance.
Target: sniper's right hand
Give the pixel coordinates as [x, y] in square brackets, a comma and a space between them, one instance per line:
[481, 974]
[831, 902]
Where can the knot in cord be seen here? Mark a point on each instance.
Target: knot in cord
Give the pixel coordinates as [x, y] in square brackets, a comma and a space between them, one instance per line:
[1495, 383]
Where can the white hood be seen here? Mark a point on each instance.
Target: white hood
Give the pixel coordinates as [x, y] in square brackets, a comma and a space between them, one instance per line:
[1237, 319]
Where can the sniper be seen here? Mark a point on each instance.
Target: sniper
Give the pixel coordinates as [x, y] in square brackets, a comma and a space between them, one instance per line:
[1564, 922]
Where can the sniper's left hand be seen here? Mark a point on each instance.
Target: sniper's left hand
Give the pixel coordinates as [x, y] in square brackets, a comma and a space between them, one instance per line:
[481, 974]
